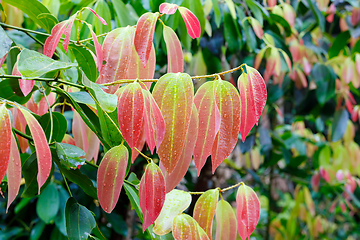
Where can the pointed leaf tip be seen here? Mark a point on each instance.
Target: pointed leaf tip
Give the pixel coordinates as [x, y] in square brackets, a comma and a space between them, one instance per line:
[191, 21]
[168, 8]
[185, 227]
[247, 211]
[97, 15]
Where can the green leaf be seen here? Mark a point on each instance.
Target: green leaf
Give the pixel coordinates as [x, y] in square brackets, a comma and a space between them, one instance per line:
[324, 78]
[60, 218]
[249, 33]
[86, 62]
[37, 230]
[33, 9]
[47, 205]
[133, 196]
[79, 220]
[70, 156]
[103, 10]
[110, 132]
[59, 126]
[339, 43]
[7, 92]
[5, 43]
[230, 33]
[34, 64]
[217, 13]
[255, 10]
[83, 97]
[107, 101]
[77, 177]
[339, 124]
[29, 171]
[318, 14]
[274, 18]
[123, 14]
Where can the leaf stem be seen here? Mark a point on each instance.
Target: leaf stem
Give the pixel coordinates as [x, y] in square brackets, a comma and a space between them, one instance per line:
[22, 134]
[89, 39]
[130, 183]
[220, 190]
[91, 164]
[66, 184]
[148, 159]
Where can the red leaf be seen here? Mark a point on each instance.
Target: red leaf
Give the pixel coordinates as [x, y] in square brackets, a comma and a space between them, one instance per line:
[225, 221]
[247, 211]
[5, 140]
[116, 49]
[110, 177]
[174, 51]
[173, 179]
[97, 15]
[228, 101]
[168, 8]
[19, 123]
[26, 86]
[151, 194]
[154, 123]
[13, 172]
[131, 112]
[253, 97]
[144, 35]
[58, 30]
[174, 95]
[204, 210]
[209, 123]
[137, 70]
[43, 153]
[185, 227]
[191, 22]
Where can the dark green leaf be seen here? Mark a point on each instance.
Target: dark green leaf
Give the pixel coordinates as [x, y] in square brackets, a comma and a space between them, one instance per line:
[34, 64]
[324, 78]
[70, 156]
[48, 203]
[33, 9]
[103, 10]
[118, 223]
[37, 230]
[60, 218]
[133, 196]
[230, 33]
[255, 9]
[5, 43]
[79, 220]
[7, 92]
[59, 126]
[86, 61]
[274, 18]
[109, 131]
[124, 16]
[339, 124]
[317, 13]
[339, 43]
[217, 13]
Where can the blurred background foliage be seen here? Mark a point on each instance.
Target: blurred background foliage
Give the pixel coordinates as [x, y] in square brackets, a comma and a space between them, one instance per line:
[303, 158]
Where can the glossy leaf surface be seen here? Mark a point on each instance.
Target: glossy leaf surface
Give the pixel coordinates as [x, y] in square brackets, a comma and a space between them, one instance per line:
[173, 179]
[168, 8]
[48, 203]
[26, 86]
[228, 102]
[192, 23]
[43, 153]
[185, 227]
[209, 123]
[144, 35]
[174, 51]
[70, 156]
[174, 95]
[110, 177]
[175, 203]
[253, 98]
[151, 194]
[5, 43]
[247, 211]
[225, 221]
[5, 140]
[204, 210]
[13, 172]
[131, 113]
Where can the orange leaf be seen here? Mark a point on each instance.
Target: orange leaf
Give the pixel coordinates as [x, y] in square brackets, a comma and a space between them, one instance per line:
[144, 35]
[110, 177]
[247, 211]
[205, 208]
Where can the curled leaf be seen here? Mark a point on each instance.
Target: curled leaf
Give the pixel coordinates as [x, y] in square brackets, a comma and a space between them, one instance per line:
[168, 8]
[110, 177]
[247, 211]
[144, 35]
[174, 51]
[205, 208]
[175, 203]
[5, 140]
[225, 221]
[191, 22]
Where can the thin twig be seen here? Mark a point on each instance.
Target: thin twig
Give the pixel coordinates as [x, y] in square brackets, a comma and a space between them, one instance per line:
[231, 187]
[148, 159]
[66, 184]
[22, 134]
[89, 39]
[91, 164]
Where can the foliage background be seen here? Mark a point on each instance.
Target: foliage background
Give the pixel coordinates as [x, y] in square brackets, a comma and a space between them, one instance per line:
[305, 131]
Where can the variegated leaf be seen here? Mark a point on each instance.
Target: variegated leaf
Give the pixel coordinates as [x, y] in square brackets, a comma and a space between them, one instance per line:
[26, 86]
[168, 8]
[5, 140]
[174, 95]
[110, 177]
[225, 221]
[185, 227]
[192, 23]
[174, 51]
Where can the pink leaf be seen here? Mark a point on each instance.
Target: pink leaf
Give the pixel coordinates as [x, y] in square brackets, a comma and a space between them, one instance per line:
[110, 177]
[26, 86]
[173, 179]
[116, 49]
[209, 123]
[130, 113]
[257, 28]
[191, 22]
[174, 51]
[185, 227]
[69, 140]
[43, 153]
[228, 101]
[41, 108]
[225, 221]
[19, 123]
[58, 30]
[13, 172]
[5, 140]
[2, 59]
[97, 15]
[247, 211]
[98, 49]
[151, 194]
[154, 123]
[168, 8]
[144, 35]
